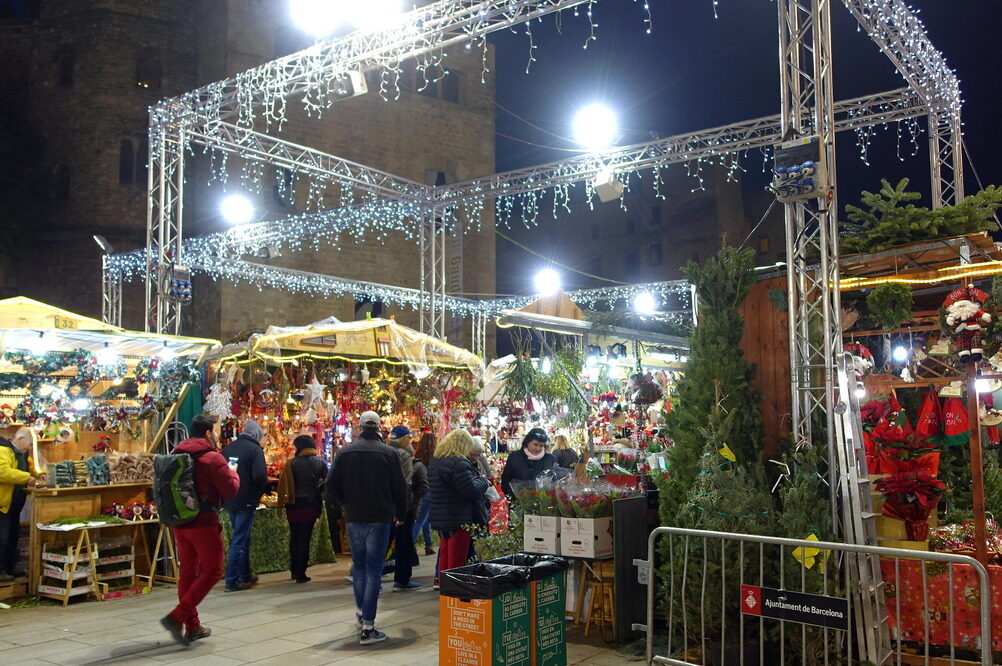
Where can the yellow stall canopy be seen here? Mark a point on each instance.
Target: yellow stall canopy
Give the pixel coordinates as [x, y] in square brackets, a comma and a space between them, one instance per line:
[368, 340]
[30, 325]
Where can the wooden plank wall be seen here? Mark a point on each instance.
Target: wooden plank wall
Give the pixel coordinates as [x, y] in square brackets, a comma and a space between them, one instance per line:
[766, 344]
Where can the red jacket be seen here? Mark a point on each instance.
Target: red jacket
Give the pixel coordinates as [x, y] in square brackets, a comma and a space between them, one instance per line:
[214, 480]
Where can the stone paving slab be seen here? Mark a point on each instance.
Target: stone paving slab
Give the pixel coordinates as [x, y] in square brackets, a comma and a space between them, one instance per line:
[277, 622]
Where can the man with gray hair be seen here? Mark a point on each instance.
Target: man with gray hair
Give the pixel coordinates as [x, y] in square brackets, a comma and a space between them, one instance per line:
[15, 474]
[244, 455]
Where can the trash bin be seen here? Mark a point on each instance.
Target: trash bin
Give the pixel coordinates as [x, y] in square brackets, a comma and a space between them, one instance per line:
[484, 616]
[546, 605]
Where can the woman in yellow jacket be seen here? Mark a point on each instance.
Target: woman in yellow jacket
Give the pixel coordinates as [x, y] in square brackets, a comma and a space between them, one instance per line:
[15, 474]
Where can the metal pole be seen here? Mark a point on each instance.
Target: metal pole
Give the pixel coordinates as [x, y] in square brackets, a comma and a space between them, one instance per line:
[977, 468]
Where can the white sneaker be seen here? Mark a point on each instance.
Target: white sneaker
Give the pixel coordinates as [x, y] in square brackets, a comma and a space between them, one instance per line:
[349, 579]
[370, 636]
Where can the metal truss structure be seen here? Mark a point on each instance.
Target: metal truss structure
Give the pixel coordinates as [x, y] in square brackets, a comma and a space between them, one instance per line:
[111, 293]
[433, 279]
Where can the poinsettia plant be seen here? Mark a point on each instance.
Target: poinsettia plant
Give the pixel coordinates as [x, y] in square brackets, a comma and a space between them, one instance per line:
[911, 497]
[900, 444]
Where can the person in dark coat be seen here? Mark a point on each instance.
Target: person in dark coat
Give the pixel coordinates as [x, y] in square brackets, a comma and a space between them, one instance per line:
[368, 481]
[422, 524]
[565, 456]
[528, 462]
[299, 493]
[456, 491]
[246, 456]
[405, 557]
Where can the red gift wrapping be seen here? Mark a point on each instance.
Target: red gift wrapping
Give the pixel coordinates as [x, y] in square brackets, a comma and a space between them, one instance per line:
[909, 607]
[499, 514]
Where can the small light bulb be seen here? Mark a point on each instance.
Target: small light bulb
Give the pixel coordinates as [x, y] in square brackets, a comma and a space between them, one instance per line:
[860, 392]
[81, 404]
[900, 354]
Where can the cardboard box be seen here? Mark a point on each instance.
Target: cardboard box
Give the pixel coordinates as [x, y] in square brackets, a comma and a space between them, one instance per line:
[590, 538]
[541, 534]
[485, 632]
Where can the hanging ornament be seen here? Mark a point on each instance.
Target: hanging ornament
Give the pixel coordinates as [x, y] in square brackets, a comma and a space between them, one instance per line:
[313, 393]
[219, 402]
[966, 318]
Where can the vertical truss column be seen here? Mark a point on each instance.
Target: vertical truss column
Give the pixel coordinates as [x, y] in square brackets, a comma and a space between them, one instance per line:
[111, 293]
[433, 279]
[165, 189]
[811, 227]
[479, 334]
[946, 159]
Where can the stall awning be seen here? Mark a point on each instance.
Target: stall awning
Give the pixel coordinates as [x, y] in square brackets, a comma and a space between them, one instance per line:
[367, 340]
[29, 324]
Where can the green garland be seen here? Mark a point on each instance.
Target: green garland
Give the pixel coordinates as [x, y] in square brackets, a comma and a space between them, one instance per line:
[890, 304]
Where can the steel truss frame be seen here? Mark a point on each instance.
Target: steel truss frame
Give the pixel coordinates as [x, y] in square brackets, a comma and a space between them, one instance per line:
[111, 293]
[433, 316]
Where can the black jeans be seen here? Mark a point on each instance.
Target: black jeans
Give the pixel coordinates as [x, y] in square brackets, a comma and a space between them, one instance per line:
[10, 530]
[405, 554]
[300, 533]
[334, 526]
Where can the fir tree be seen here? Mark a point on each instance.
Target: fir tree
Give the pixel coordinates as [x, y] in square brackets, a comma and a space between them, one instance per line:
[886, 219]
[721, 283]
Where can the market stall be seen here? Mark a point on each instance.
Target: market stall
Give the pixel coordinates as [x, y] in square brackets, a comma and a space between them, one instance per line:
[97, 400]
[317, 379]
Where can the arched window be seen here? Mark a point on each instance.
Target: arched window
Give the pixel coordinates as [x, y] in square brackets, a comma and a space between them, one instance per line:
[142, 160]
[126, 162]
[61, 183]
[148, 69]
[66, 61]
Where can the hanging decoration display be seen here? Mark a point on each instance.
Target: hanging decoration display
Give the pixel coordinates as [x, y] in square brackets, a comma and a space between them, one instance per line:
[966, 318]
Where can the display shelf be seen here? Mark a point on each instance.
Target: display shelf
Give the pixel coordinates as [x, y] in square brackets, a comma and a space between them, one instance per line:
[50, 492]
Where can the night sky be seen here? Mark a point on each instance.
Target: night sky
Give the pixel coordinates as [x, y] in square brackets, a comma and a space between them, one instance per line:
[696, 71]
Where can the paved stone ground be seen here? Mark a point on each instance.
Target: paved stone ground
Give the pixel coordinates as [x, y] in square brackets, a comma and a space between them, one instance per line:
[278, 622]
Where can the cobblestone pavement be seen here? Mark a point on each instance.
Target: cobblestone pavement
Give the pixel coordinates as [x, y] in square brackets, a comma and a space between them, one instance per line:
[277, 622]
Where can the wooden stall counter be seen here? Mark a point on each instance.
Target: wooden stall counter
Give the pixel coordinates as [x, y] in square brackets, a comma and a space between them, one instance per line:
[130, 539]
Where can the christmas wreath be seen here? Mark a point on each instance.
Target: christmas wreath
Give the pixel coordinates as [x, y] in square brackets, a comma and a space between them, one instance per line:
[890, 304]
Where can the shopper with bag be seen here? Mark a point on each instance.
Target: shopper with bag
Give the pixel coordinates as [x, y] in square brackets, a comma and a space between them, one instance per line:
[422, 524]
[457, 490]
[245, 455]
[200, 540]
[299, 493]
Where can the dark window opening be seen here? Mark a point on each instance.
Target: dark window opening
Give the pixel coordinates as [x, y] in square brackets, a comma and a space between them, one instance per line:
[18, 9]
[65, 65]
[631, 226]
[763, 244]
[142, 163]
[434, 83]
[126, 163]
[366, 307]
[148, 70]
[61, 183]
[654, 255]
[655, 216]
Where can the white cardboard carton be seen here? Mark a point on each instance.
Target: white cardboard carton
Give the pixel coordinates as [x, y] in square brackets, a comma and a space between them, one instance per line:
[541, 534]
[589, 538]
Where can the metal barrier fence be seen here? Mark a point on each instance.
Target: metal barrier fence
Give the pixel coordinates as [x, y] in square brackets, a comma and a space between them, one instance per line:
[744, 600]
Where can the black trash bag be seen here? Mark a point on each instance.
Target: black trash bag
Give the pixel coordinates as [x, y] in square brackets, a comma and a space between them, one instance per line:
[482, 581]
[540, 566]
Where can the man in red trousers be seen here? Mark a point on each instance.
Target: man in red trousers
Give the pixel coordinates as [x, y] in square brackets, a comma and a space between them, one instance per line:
[200, 541]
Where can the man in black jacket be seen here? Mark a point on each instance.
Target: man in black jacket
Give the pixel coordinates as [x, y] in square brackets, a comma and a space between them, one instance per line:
[244, 454]
[368, 481]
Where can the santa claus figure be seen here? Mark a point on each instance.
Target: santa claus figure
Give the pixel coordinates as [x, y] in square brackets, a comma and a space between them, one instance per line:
[966, 318]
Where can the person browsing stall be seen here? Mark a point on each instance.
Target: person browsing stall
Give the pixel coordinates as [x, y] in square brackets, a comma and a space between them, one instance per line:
[15, 475]
[299, 492]
[457, 490]
[564, 455]
[529, 461]
[245, 455]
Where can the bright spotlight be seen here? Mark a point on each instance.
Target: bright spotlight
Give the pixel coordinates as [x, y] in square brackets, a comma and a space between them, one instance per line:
[370, 14]
[595, 127]
[644, 303]
[547, 281]
[81, 404]
[984, 385]
[900, 354]
[316, 17]
[236, 209]
[860, 393]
